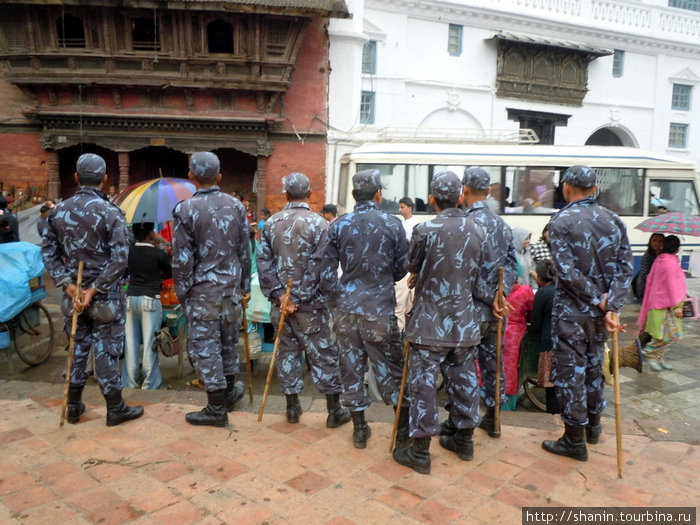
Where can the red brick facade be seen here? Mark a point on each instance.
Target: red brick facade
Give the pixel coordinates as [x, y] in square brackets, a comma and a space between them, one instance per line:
[292, 123]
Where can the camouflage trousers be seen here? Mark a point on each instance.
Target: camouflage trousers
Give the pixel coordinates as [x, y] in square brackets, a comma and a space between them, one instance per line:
[375, 338]
[458, 367]
[212, 340]
[309, 332]
[577, 371]
[486, 352]
[101, 326]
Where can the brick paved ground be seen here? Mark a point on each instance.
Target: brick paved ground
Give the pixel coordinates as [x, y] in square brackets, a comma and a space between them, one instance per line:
[159, 469]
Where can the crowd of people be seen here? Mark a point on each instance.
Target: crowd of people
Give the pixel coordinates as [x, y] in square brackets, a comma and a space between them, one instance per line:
[368, 291]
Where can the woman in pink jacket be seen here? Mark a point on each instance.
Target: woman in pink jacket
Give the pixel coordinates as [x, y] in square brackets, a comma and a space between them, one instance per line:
[662, 306]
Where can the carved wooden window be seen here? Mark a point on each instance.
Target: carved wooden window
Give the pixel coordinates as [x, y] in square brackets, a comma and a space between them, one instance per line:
[70, 30]
[13, 29]
[541, 72]
[144, 34]
[220, 37]
[278, 34]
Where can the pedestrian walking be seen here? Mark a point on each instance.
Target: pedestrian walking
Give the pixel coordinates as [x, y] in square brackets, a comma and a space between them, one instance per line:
[211, 269]
[499, 252]
[370, 246]
[444, 262]
[593, 261]
[661, 313]
[292, 246]
[88, 228]
[148, 267]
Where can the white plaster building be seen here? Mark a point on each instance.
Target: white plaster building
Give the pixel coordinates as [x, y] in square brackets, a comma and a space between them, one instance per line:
[438, 69]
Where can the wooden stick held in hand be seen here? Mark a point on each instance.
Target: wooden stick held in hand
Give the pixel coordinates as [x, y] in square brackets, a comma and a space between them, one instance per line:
[283, 314]
[406, 349]
[71, 345]
[618, 406]
[246, 344]
[499, 345]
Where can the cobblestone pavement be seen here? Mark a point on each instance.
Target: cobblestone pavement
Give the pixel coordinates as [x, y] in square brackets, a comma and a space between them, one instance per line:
[158, 469]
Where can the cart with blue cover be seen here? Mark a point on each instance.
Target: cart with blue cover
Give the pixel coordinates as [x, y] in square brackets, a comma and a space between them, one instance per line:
[25, 324]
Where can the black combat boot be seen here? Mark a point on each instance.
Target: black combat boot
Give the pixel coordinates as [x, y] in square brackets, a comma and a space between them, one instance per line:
[118, 411]
[417, 456]
[447, 427]
[488, 423]
[293, 408]
[214, 414]
[361, 431]
[337, 415]
[75, 406]
[235, 390]
[571, 444]
[460, 442]
[593, 429]
[402, 437]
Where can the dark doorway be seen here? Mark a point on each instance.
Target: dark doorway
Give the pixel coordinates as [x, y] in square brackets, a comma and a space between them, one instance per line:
[238, 173]
[67, 159]
[156, 161]
[544, 124]
[604, 137]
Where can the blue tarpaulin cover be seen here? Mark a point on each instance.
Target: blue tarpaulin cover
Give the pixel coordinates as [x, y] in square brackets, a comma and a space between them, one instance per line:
[19, 262]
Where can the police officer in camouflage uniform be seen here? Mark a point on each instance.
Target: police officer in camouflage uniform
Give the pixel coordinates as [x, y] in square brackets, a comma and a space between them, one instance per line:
[292, 245]
[593, 259]
[211, 269]
[499, 252]
[88, 228]
[444, 259]
[370, 246]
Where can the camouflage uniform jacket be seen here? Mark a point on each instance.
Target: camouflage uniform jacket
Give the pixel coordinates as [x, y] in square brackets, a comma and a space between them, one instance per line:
[371, 247]
[88, 228]
[292, 244]
[446, 253]
[592, 256]
[499, 252]
[211, 250]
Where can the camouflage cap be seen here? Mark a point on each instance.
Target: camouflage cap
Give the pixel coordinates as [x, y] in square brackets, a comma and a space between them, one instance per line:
[476, 178]
[367, 180]
[296, 185]
[446, 186]
[579, 176]
[205, 165]
[91, 165]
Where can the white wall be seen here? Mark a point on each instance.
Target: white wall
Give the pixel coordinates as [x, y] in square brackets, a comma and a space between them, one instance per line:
[418, 84]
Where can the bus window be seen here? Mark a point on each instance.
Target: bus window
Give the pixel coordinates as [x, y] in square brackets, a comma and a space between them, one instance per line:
[672, 195]
[533, 190]
[394, 177]
[620, 190]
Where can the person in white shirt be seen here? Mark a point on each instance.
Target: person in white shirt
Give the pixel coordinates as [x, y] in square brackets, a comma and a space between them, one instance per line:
[409, 221]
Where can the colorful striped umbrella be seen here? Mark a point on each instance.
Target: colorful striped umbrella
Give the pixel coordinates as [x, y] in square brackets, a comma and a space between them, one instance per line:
[153, 200]
[676, 223]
